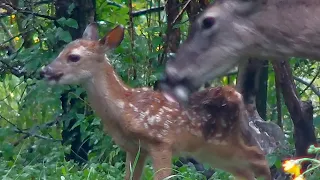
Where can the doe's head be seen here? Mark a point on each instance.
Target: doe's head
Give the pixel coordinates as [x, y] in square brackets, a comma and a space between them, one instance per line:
[80, 58]
[218, 39]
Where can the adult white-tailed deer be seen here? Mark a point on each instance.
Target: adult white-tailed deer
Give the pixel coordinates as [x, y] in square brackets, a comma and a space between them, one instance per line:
[214, 129]
[230, 31]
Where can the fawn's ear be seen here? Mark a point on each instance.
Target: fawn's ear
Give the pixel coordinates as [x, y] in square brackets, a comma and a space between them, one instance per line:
[91, 32]
[113, 38]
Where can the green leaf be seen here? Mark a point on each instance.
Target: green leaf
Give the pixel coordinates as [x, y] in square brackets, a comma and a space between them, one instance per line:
[68, 22]
[272, 159]
[63, 35]
[61, 21]
[96, 121]
[71, 23]
[71, 8]
[316, 121]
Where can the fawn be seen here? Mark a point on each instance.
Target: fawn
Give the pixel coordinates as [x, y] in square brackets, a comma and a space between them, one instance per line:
[213, 129]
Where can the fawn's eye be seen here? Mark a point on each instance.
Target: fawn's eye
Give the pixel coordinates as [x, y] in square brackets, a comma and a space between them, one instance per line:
[208, 22]
[73, 58]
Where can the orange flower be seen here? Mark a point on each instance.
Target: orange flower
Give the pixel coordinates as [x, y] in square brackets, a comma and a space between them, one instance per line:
[291, 167]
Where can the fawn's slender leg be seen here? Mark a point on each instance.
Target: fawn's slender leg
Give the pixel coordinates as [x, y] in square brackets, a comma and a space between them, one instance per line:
[161, 158]
[258, 163]
[138, 169]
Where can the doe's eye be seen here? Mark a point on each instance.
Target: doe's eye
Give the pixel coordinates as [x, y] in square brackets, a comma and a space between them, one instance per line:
[208, 22]
[73, 58]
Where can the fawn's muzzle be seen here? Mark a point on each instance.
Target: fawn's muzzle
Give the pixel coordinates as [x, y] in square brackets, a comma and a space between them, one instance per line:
[50, 74]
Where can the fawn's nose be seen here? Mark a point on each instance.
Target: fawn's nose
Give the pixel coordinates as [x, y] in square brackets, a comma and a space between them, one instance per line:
[49, 73]
[42, 73]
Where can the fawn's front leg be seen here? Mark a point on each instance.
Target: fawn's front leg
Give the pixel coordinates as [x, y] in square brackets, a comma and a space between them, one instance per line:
[132, 168]
[161, 158]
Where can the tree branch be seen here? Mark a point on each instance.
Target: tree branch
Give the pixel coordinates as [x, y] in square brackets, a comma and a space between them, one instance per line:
[20, 10]
[32, 131]
[147, 11]
[308, 84]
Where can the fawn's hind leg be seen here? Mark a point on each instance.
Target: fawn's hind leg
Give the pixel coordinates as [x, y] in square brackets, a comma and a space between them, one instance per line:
[161, 157]
[137, 168]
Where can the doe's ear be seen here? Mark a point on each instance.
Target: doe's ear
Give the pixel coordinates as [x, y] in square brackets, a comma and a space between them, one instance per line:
[91, 32]
[113, 38]
[247, 7]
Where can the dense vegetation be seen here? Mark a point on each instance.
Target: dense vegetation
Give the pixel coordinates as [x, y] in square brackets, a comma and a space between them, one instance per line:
[52, 133]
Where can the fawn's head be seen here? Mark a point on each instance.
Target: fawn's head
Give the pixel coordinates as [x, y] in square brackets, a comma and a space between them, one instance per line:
[82, 57]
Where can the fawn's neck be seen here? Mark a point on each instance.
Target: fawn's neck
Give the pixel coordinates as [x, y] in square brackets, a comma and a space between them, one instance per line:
[106, 92]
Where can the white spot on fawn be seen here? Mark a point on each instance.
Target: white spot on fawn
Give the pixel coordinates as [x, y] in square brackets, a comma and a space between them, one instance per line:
[146, 125]
[164, 132]
[161, 111]
[120, 104]
[167, 109]
[134, 108]
[166, 125]
[151, 120]
[181, 122]
[158, 118]
[168, 121]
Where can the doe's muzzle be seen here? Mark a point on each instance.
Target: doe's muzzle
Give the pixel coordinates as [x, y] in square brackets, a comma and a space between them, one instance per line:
[176, 89]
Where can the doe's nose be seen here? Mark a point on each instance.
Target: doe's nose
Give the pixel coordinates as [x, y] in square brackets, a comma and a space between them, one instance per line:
[172, 74]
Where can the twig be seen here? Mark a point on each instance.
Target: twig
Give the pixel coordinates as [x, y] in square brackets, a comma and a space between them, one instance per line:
[20, 34]
[19, 10]
[131, 33]
[182, 10]
[147, 11]
[14, 88]
[32, 131]
[6, 30]
[311, 82]
[312, 87]
[8, 121]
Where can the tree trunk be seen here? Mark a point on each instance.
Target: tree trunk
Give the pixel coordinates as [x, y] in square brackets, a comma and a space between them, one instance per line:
[301, 112]
[251, 82]
[83, 13]
[267, 134]
[262, 95]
